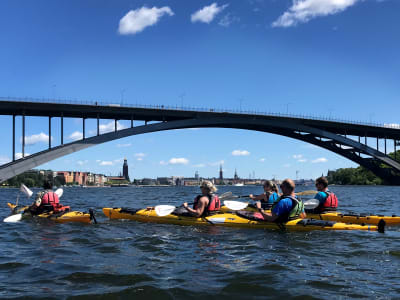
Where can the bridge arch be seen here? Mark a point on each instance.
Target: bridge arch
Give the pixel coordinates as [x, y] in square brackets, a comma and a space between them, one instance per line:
[339, 144]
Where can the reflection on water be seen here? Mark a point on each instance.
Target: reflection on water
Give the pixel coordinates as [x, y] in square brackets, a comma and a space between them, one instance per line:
[126, 259]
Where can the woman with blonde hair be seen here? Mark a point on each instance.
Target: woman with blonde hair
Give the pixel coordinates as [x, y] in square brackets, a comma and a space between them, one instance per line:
[207, 203]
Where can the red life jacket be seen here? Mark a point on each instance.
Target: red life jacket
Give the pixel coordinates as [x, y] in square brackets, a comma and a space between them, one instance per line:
[51, 198]
[331, 202]
[214, 204]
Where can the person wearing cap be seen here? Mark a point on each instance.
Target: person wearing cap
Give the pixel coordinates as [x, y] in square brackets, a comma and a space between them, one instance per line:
[327, 200]
[205, 204]
[46, 200]
[288, 206]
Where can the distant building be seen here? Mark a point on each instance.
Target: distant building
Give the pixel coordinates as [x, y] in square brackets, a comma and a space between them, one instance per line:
[125, 172]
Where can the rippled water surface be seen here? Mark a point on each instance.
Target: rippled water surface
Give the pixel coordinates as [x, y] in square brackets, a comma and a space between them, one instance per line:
[118, 259]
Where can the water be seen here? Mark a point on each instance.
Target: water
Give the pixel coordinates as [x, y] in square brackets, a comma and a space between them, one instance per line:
[118, 259]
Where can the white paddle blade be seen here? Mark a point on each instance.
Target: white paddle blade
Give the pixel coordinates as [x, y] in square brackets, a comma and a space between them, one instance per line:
[13, 218]
[164, 210]
[25, 190]
[311, 204]
[59, 192]
[235, 205]
[226, 195]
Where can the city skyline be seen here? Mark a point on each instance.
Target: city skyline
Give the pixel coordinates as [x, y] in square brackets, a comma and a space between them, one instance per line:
[335, 59]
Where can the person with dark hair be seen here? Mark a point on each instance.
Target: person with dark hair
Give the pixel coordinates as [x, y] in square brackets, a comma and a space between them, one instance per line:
[327, 200]
[46, 200]
[288, 206]
[270, 195]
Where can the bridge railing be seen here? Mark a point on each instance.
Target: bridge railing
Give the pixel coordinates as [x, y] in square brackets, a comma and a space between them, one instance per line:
[186, 108]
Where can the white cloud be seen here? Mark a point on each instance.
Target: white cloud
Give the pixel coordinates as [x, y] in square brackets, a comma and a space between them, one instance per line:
[36, 138]
[319, 160]
[163, 163]
[82, 162]
[108, 127]
[302, 11]
[299, 157]
[178, 161]
[124, 145]
[106, 163]
[137, 20]
[4, 159]
[19, 155]
[227, 20]
[207, 13]
[262, 159]
[286, 165]
[139, 156]
[76, 135]
[240, 153]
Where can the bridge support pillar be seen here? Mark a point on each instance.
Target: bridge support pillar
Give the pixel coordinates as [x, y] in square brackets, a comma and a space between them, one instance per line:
[23, 135]
[49, 132]
[13, 141]
[62, 129]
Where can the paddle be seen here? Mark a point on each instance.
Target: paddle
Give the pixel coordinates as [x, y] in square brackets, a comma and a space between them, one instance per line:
[311, 204]
[17, 217]
[164, 210]
[307, 193]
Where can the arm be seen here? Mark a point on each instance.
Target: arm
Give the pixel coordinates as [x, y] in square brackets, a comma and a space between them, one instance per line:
[270, 217]
[259, 197]
[203, 201]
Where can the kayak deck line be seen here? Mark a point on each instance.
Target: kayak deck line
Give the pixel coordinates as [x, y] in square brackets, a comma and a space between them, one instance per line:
[351, 217]
[230, 219]
[60, 217]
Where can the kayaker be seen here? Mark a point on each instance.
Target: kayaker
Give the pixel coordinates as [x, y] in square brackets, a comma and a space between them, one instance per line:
[46, 200]
[288, 206]
[327, 200]
[270, 195]
[206, 203]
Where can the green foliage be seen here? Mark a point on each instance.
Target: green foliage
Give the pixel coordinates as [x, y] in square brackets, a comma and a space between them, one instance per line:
[353, 176]
[30, 179]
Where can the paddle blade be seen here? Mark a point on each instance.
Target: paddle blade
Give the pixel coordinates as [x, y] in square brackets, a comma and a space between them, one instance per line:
[226, 195]
[235, 205]
[25, 190]
[164, 210]
[307, 193]
[311, 204]
[13, 218]
[59, 192]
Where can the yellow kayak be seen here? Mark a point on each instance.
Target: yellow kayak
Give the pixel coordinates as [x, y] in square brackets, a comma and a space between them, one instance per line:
[345, 218]
[231, 219]
[62, 217]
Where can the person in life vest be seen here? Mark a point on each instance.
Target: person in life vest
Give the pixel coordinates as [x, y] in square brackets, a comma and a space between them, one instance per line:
[288, 206]
[327, 200]
[206, 203]
[46, 200]
[270, 195]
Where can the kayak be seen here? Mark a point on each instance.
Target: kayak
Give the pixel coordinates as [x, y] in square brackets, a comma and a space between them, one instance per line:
[60, 217]
[342, 217]
[234, 219]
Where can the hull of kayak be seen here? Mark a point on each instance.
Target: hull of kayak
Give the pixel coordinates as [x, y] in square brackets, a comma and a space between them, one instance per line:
[345, 218]
[66, 217]
[231, 220]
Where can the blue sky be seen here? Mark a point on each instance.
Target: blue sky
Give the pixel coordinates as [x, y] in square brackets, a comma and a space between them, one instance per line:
[329, 58]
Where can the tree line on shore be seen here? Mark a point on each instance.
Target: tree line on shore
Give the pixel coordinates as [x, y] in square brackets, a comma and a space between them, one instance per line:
[359, 175]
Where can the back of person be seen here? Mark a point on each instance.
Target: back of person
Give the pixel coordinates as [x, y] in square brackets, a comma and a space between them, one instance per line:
[328, 202]
[287, 208]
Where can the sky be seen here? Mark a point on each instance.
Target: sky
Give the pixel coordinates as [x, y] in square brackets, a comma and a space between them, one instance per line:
[322, 58]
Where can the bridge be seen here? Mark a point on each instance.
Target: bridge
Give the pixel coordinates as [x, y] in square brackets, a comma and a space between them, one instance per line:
[348, 139]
